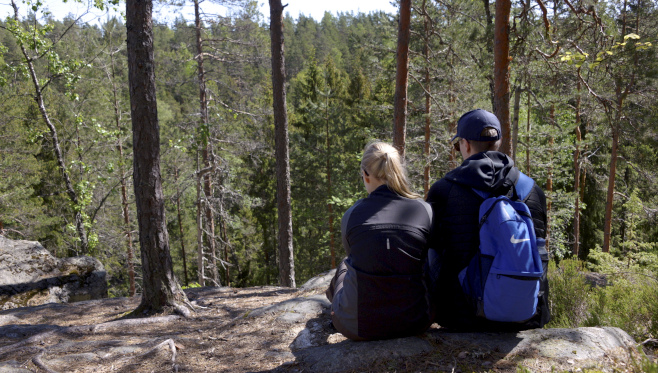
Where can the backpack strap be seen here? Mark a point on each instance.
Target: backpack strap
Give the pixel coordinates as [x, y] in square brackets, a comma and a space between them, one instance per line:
[524, 186]
[480, 193]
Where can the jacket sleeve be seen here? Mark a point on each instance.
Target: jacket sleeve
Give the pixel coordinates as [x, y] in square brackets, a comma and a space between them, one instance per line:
[344, 227]
[537, 204]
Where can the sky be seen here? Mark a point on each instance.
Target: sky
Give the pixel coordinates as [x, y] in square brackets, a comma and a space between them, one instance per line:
[313, 8]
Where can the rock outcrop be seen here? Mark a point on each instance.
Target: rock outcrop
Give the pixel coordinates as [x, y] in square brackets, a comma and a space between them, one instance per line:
[30, 276]
[315, 350]
[274, 329]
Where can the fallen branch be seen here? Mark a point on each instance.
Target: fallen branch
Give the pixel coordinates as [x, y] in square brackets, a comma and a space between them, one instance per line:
[650, 340]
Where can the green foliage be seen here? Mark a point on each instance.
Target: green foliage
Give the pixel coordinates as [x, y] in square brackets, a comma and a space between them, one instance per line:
[568, 294]
[628, 300]
[630, 303]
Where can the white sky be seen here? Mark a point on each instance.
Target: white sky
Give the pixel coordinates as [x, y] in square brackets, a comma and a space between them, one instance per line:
[313, 8]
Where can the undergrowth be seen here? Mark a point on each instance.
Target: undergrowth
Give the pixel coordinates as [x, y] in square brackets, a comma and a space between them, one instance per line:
[625, 298]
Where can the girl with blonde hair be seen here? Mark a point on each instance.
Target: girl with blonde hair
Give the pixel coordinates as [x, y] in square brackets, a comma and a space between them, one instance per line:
[379, 291]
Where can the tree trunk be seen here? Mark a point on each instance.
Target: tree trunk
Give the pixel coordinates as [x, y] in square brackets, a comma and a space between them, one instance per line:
[549, 178]
[180, 229]
[124, 189]
[607, 227]
[70, 190]
[489, 40]
[161, 291]
[207, 179]
[576, 178]
[330, 206]
[452, 160]
[428, 103]
[515, 121]
[527, 136]
[224, 237]
[286, 260]
[201, 276]
[402, 77]
[501, 72]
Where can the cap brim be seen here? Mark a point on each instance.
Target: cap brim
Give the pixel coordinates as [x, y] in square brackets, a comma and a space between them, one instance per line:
[455, 140]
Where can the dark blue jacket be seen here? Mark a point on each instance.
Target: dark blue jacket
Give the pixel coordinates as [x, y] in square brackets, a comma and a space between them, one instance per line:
[384, 294]
[455, 237]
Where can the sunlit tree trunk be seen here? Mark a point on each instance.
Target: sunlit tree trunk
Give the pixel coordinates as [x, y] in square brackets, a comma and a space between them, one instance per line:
[161, 291]
[286, 260]
[576, 178]
[207, 178]
[402, 77]
[501, 72]
[124, 189]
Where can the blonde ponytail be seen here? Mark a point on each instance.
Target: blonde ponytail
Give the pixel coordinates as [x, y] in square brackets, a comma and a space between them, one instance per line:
[382, 161]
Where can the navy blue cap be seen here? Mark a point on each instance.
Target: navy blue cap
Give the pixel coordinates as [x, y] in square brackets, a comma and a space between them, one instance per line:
[471, 124]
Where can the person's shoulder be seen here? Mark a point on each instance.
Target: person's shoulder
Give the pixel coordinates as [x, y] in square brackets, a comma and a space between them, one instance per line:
[439, 188]
[353, 207]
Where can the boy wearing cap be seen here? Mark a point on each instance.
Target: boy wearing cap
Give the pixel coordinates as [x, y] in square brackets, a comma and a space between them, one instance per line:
[454, 238]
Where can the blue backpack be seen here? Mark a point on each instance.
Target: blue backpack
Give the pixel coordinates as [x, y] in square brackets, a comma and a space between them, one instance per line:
[503, 278]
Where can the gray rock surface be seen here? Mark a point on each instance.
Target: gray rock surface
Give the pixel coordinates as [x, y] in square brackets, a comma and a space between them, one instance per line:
[358, 356]
[30, 276]
[317, 348]
[319, 282]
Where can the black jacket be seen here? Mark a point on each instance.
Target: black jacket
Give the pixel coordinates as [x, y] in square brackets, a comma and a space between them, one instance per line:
[384, 294]
[455, 237]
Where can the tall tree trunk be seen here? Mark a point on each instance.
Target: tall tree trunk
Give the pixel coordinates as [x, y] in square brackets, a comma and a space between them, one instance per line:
[180, 229]
[330, 206]
[515, 121]
[549, 177]
[452, 159]
[489, 40]
[402, 77]
[527, 135]
[161, 291]
[224, 236]
[201, 276]
[501, 72]
[122, 180]
[124, 201]
[576, 178]
[607, 225]
[621, 93]
[428, 102]
[286, 260]
[207, 179]
[70, 190]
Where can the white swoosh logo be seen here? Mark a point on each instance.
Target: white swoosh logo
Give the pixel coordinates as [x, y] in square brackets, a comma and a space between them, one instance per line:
[518, 240]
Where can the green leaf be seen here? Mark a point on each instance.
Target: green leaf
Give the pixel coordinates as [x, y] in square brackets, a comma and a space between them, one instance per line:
[631, 36]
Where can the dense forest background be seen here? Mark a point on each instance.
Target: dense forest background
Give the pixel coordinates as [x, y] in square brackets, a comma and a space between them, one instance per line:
[584, 79]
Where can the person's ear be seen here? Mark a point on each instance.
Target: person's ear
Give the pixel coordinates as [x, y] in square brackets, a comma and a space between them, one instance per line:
[468, 146]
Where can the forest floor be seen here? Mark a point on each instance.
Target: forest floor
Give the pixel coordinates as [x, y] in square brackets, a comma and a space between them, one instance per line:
[232, 330]
[91, 336]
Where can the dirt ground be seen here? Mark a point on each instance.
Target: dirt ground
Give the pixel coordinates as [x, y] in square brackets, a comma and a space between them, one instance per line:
[223, 335]
[86, 336]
